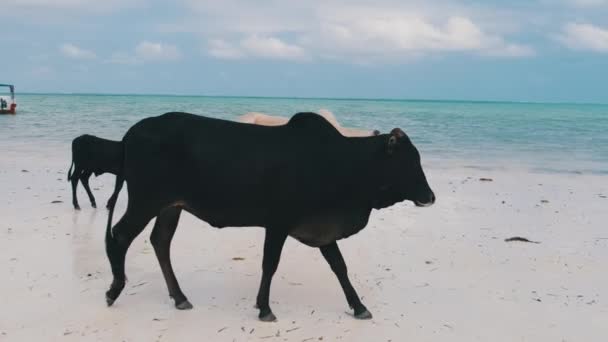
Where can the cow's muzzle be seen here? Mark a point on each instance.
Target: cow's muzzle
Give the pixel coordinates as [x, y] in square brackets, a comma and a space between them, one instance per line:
[426, 202]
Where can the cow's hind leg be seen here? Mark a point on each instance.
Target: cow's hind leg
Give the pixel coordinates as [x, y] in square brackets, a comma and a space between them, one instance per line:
[117, 187]
[84, 178]
[335, 260]
[75, 178]
[117, 244]
[162, 234]
[273, 245]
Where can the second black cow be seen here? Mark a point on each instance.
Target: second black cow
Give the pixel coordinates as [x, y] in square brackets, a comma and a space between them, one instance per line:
[93, 155]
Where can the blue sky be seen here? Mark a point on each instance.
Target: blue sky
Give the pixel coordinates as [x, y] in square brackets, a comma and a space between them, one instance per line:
[536, 50]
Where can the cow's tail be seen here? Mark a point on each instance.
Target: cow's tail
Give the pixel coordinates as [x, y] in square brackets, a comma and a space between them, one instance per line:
[70, 171]
[120, 179]
[74, 144]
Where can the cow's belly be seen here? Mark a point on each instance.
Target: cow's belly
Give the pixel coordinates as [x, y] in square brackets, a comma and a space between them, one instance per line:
[321, 231]
[228, 218]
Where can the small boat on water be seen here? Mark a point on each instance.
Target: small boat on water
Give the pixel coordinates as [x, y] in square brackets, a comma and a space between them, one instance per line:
[7, 103]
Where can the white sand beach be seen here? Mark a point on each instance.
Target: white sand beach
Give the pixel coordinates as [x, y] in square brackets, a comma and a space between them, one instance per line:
[442, 273]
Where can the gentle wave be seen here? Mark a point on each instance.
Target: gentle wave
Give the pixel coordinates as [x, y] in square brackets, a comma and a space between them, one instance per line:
[541, 136]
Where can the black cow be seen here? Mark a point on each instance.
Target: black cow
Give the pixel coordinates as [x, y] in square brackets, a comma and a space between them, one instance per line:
[91, 154]
[303, 179]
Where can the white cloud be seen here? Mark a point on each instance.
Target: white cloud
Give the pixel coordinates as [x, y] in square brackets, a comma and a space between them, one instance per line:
[257, 47]
[271, 47]
[356, 30]
[585, 37]
[151, 51]
[587, 3]
[74, 52]
[375, 38]
[69, 5]
[398, 35]
[146, 52]
[224, 50]
[511, 50]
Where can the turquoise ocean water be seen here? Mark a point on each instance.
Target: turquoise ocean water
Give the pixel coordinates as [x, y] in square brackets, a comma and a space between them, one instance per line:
[551, 137]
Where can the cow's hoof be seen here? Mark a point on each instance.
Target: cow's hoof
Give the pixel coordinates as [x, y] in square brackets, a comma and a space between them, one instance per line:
[77, 207]
[109, 299]
[113, 293]
[185, 305]
[267, 317]
[363, 315]
[94, 205]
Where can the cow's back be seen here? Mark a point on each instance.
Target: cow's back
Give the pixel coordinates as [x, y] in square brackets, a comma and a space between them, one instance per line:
[230, 173]
[97, 155]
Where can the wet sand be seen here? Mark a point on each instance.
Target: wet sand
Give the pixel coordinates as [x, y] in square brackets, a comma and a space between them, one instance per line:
[442, 273]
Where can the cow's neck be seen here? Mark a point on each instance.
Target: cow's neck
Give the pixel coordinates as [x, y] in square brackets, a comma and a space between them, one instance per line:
[379, 190]
[370, 159]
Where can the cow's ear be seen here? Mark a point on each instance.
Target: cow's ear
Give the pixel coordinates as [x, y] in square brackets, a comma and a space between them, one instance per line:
[393, 140]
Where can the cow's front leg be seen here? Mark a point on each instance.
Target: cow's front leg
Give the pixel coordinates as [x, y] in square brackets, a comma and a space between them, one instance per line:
[334, 258]
[111, 201]
[273, 244]
[162, 234]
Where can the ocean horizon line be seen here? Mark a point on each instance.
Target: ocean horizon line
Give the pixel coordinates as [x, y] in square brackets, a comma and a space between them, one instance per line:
[379, 99]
